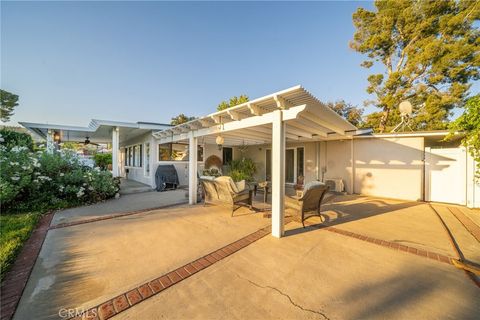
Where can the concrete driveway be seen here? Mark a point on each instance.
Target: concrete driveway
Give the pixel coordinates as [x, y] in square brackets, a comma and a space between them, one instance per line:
[311, 273]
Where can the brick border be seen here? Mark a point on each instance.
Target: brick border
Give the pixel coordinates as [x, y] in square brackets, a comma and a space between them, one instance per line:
[471, 226]
[393, 245]
[16, 278]
[114, 215]
[153, 287]
[387, 244]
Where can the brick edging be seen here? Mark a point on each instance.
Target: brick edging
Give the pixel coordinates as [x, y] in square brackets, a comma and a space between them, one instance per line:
[150, 288]
[114, 215]
[393, 245]
[471, 226]
[16, 278]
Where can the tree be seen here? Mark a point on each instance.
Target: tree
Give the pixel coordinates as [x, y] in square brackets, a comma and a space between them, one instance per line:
[8, 102]
[469, 124]
[234, 101]
[351, 113]
[429, 51]
[181, 118]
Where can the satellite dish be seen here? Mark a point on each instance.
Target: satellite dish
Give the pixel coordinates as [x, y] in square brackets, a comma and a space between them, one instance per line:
[405, 108]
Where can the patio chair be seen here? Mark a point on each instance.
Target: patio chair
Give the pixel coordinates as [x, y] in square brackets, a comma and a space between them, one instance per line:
[224, 191]
[308, 205]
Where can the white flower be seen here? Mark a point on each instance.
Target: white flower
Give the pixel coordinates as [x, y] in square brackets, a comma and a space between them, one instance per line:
[15, 178]
[62, 174]
[91, 188]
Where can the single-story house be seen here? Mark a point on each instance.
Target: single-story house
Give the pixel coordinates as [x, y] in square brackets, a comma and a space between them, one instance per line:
[288, 134]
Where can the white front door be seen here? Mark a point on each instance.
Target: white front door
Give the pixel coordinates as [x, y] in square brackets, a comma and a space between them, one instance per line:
[445, 175]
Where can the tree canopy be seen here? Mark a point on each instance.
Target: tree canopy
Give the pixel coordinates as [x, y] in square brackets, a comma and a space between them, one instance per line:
[8, 102]
[234, 101]
[429, 51]
[181, 118]
[351, 113]
[469, 124]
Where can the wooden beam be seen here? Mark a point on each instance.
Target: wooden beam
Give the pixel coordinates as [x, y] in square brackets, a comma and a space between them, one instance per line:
[255, 110]
[236, 116]
[281, 102]
[322, 122]
[216, 118]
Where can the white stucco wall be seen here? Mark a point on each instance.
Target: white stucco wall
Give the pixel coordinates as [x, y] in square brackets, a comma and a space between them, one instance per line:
[389, 167]
[335, 157]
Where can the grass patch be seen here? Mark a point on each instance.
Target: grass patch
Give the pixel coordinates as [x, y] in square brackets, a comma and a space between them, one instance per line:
[15, 229]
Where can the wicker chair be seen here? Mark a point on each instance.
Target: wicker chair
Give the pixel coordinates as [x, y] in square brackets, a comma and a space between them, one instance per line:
[308, 205]
[224, 191]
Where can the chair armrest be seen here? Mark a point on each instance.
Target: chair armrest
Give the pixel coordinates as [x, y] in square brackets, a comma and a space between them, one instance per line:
[241, 185]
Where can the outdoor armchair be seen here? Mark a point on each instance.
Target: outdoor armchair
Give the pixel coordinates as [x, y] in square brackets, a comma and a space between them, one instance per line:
[308, 205]
[224, 191]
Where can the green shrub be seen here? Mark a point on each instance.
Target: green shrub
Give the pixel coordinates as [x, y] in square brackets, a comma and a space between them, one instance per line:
[45, 180]
[102, 160]
[16, 139]
[243, 169]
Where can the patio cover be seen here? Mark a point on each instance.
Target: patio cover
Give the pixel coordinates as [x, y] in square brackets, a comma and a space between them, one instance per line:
[306, 117]
[289, 115]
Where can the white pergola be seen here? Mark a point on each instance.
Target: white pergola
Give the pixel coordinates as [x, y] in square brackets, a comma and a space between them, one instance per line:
[289, 115]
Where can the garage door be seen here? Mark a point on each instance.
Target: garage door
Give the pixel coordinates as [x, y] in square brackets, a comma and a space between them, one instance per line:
[445, 175]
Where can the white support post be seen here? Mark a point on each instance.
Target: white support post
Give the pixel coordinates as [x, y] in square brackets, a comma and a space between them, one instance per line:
[50, 142]
[115, 150]
[192, 169]
[278, 174]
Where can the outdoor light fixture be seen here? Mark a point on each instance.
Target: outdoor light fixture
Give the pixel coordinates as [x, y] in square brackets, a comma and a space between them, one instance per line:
[219, 140]
[56, 136]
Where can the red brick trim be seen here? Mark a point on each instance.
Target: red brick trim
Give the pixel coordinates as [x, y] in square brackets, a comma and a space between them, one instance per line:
[471, 226]
[16, 278]
[114, 215]
[393, 245]
[153, 287]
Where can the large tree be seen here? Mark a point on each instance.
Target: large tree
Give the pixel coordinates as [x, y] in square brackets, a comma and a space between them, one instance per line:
[8, 102]
[469, 124]
[351, 113]
[234, 101]
[181, 118]
[429, 51]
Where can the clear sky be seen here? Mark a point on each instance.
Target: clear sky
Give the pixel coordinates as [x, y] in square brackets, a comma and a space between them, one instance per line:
[149, 61]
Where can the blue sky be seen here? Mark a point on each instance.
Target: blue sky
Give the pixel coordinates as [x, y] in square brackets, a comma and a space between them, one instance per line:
[148, 61]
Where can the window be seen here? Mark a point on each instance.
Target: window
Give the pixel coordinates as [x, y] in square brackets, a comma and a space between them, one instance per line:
[290, 166]
[147, 159]
[125, 156]
[133, 156]
[227, 155]
[300, 162]
[176, 152]
[294, 164]
[268, 165]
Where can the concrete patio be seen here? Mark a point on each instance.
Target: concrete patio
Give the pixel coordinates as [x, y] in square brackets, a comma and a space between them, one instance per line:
[310, 273]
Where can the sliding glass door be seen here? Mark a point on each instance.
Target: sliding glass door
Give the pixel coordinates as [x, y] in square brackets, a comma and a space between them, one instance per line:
[294, 164]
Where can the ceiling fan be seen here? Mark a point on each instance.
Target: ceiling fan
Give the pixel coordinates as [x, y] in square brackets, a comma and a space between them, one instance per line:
[87, 142]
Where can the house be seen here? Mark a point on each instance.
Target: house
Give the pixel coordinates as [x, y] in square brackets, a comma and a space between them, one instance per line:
[288, 134]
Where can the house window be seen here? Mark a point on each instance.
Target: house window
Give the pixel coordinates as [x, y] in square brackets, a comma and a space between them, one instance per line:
[294, 164]
[147, 159]
[227, 155]
[290, 166]
[133, 156]
[125, 156]
[300, 162]
[176, 152]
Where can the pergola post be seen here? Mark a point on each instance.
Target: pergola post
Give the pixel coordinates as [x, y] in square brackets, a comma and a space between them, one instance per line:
[115, 149]
[192, 168]
[278, 174]
[50, 142]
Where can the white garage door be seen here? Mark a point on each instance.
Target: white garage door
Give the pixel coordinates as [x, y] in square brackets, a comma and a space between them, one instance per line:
[445, 175]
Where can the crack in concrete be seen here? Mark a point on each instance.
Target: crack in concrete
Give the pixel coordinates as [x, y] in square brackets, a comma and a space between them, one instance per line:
[285, 295]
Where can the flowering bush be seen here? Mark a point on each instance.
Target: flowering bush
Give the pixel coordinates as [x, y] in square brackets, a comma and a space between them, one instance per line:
[42, 180]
